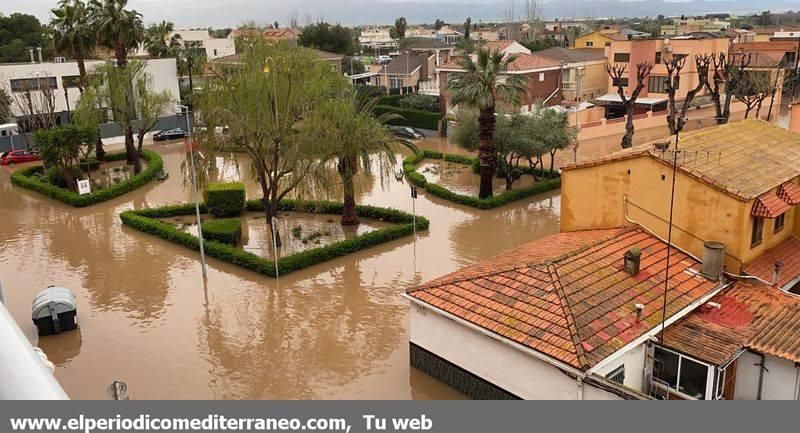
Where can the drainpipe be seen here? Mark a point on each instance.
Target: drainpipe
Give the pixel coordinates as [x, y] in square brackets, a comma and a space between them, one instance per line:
[580, 387]
[762, 368]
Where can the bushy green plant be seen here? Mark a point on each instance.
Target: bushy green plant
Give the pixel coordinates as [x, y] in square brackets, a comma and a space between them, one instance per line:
[225, 199]
[420, 102]
[410, 117]
[226, 230]
[145, 220]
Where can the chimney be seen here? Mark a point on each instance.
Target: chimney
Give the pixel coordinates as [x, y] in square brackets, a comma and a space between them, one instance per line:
[776, 273]
[632, 259]
[639, 312]
[39, 49]
[794, 118]
[713, 260]
[30, 50]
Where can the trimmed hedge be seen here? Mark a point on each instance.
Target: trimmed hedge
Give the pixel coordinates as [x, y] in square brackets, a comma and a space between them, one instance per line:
[414, 118]
[146, 220]
[24, 179]
[225, 199]
[409, 167]
[226, 230]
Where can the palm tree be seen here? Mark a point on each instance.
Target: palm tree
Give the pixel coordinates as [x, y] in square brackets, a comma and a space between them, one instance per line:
[352, 135]
[72, 33]
[480, 86]
[157, 39]
[190, 60]
[117, 28]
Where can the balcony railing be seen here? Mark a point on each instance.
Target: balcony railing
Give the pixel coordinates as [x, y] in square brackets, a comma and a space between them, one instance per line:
[569, 85]
[429, 88]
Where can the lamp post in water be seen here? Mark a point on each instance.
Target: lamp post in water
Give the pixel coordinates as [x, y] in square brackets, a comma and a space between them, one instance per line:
[185, 109]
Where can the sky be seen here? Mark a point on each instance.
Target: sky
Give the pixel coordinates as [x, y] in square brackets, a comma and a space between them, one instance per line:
[231, 13]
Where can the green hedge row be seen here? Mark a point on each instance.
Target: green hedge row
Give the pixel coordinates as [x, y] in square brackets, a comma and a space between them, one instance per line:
[23, 178]
[225, 199]
[145, 220]
[226, 230]
[409, 167]
[414, 118]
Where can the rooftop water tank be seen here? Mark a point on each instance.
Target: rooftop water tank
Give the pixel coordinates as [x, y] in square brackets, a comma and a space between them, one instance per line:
[54, 310]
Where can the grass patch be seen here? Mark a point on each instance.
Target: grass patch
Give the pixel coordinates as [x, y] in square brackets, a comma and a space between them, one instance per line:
[147, 220]
[26, 178]
[550, 182]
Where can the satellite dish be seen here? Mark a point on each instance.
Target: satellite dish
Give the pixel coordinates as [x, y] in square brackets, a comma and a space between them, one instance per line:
[666, 40]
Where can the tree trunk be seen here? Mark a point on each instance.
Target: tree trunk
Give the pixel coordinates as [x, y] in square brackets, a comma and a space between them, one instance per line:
[346, 171]
[486, 121]
[140, 137]
[131, 155]
[552, 160]
[726, 109]
[627, 139]
[270, 209]
[509, 181]
[81, 69]
[98, 149]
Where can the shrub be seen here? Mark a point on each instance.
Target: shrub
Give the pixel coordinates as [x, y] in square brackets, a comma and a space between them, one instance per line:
[420, 102]
[25, 179]
[227, 231]
[225, 199]
[391, 100]
[414, 118]
[145, 220]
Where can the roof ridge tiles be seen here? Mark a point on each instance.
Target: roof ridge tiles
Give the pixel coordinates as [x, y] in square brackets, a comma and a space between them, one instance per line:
[571, 325]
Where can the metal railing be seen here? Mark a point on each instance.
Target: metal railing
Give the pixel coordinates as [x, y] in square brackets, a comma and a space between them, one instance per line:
[24, 374]
[429, 88]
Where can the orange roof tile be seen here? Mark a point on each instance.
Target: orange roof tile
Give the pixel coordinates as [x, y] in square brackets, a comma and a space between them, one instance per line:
[567, 296]
[769, 206]
[751, 316]
[523, 62]
[787, 253]
[790, 193]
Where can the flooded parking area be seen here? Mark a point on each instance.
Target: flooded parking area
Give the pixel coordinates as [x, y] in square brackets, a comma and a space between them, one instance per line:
[336, 330]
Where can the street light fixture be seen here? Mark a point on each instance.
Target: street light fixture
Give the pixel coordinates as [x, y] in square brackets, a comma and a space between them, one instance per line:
[185, 110]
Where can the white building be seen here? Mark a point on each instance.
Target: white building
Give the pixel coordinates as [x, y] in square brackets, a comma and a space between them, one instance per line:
[62, 79]
[376, 37]
[214, 47]
[578, 315]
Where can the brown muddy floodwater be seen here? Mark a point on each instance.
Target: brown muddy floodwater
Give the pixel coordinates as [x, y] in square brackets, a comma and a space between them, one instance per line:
[337, 330]
[461, 179]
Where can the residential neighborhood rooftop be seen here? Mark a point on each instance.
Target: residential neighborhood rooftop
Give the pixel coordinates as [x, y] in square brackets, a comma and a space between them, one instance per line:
[572, 55]
[523, 62]
[745, 159]
[787, 253]
[568, 296]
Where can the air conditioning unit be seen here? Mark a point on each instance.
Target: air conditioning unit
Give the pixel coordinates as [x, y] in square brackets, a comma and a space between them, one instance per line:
[60, 59]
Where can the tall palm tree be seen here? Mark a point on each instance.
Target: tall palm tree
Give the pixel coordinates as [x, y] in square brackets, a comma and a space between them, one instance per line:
[352, 135]
[157, 39]
[117, 28]
[480, 86]
[72, 33]
[190, 60]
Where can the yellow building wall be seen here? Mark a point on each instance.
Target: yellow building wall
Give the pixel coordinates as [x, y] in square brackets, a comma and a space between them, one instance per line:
[596, 39]
[593, 197]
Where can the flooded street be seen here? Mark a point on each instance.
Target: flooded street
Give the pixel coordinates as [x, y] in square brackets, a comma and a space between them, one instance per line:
[336, 330]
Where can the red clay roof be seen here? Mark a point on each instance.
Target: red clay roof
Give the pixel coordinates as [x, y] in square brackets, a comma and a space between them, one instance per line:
[751, 316]
[790, 193]
[567, 296]
[769, 206]
[523, 62]
[786, 252]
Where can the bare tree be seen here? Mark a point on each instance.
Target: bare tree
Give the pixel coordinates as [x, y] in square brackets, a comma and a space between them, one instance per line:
[36, 101]
[617, 74]
[751, 88]
[293, 19]
[675, 64]
[510, 19]
[532, 11]
[724, 78]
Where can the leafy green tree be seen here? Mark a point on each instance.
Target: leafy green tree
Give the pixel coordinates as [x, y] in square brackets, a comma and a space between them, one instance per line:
[439, 24]
[352, 66]
[353, 135]
[158, 39]
[17, 33]
[263, 104]
[467, 27]
[150, 106]
[62, 147]
[539, 44]
[480, 87]
[400, 26]
[118, 28]
[72, 34]
[191, 60]
[333, 38]
[5, 107]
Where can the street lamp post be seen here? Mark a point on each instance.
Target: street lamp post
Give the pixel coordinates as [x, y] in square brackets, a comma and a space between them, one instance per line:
[185, 110]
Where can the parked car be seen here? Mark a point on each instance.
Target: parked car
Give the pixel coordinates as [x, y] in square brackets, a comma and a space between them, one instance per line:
[406, 132]
[384, 59]
[169, 134]
[18, 156]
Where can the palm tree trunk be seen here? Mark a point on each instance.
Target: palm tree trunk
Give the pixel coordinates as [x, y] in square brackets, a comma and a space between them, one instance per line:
[346, 168]
[81, 69]
[486, 121]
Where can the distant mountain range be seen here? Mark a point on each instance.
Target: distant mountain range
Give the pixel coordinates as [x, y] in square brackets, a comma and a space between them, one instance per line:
[230, 13]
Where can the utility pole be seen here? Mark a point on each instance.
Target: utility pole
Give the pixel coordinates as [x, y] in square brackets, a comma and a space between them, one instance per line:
[185, 110]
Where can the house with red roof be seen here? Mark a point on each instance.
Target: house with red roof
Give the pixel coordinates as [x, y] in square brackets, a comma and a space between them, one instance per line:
[542, 74]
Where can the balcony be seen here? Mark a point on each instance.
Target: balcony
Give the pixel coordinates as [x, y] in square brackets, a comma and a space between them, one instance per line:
[430, 87]
[569, 85]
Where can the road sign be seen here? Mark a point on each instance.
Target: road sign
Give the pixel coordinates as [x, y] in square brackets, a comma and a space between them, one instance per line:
[84, 187]
[413, 192]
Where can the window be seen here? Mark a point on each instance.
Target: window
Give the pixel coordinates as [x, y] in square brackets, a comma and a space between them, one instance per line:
[680, 373]
[608, 44]
[780, 221]
[658, 57]
[618, 375]
[657, 84]
[27, 84]
[621, 82]
[758, 231]
[589, 44]
[622, 57]
[395, 83]
[541, 76]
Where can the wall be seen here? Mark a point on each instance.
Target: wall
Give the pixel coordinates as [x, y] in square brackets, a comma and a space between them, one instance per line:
[508, 368]
[592, 197]
[634, 361]
[770, 238]
[592, 40]
[780, 381]
[163, 72]
[223, 46]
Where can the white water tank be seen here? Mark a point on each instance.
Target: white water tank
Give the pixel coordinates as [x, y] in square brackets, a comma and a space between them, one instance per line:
[54, 310]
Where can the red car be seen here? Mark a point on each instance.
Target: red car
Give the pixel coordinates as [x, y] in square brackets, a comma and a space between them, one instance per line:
[18, 156]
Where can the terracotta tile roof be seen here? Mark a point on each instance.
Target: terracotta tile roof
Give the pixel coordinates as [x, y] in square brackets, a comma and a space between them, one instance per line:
[751, 316]
[786, 252]
[744, 159]
[567, 296]
[571, 55]
[769, 206]
[523, 62]
[790, 193]
[406, 63]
